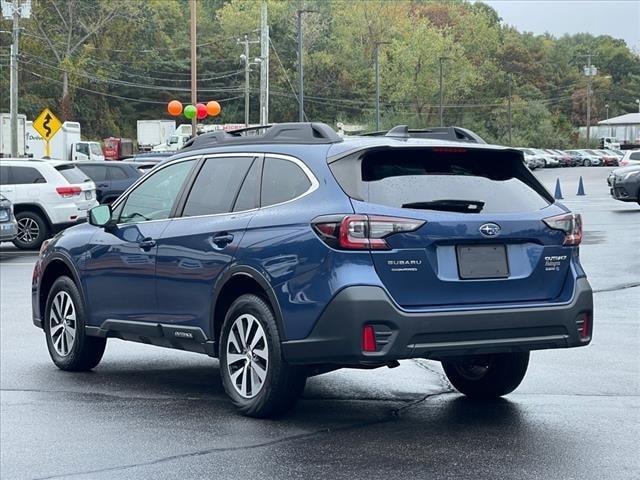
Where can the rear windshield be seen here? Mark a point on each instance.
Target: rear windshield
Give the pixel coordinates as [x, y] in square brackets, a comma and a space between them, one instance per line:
[449, 180]
[72, 173]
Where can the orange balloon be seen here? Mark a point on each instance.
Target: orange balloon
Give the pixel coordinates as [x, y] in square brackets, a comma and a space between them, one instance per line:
[213, 108]
[174, 108]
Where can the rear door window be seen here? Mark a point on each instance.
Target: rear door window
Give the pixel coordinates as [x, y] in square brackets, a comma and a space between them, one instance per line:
[216, 186]
[634, 156]
[97, 173]
[249, 195]
[457, 180]
[117, 173]
[26, 175]
[282, 180]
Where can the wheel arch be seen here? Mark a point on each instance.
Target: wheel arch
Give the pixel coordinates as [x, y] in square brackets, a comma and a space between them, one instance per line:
[238, 281]
[35, 208]
[58, 265]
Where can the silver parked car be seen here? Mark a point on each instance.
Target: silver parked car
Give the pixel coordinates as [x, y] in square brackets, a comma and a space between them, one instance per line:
[8, 224]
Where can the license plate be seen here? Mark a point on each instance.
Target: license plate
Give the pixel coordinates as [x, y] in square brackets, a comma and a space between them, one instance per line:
[6, 226]
[482, 261]
[88, 195]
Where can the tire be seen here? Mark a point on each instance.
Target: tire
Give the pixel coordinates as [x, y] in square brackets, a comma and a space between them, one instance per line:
[487, 376]
[69, 347]
[281, 384]
[32, 230]
[587, 163]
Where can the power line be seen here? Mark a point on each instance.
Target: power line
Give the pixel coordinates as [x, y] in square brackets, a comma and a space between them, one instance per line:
[113, 95]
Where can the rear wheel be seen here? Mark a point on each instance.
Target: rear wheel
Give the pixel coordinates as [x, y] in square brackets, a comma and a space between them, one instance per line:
[587, 163]
[69, 347]
[254, 374]
[32, 230]
[487, 376]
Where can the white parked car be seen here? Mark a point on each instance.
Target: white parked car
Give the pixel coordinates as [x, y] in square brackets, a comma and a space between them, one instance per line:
[47, 197]
[586, 159]
[548, 159]
[631, 157]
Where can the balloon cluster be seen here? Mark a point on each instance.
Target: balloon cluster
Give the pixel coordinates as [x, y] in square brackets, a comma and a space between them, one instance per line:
[200, 110]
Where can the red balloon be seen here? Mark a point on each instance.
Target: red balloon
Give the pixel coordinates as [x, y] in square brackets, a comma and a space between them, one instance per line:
[201, 109]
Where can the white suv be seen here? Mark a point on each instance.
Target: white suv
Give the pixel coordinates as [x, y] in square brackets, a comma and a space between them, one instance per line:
[47, 197]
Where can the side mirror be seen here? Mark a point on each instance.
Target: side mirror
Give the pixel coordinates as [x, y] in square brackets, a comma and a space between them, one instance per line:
[100, 216]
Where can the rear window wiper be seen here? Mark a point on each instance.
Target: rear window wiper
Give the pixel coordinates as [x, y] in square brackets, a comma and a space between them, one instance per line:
[462, 206]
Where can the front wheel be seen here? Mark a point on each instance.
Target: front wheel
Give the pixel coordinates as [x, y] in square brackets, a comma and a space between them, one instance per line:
[487, 376]
[587, 163]
[255, 376]
[69, 347]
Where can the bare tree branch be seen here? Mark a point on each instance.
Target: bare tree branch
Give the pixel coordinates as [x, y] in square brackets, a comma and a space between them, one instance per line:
[46, 37]
[100, 23]
[55, 5]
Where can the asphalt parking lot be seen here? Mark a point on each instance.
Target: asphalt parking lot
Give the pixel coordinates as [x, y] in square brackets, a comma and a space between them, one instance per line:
[147, 412]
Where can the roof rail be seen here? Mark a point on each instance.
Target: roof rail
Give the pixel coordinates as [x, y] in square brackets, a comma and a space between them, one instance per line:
[302, 133]
[454, 134]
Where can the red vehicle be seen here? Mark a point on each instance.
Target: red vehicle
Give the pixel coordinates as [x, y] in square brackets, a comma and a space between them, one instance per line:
[117, 148]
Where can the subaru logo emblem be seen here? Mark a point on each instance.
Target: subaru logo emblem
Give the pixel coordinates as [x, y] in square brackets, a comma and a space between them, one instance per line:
[490, 229]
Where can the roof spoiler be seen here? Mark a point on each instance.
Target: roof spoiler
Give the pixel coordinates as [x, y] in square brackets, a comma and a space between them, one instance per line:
[453, 134]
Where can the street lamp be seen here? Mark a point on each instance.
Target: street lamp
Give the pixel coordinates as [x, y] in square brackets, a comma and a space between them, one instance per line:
[377, 62]
[441, 59]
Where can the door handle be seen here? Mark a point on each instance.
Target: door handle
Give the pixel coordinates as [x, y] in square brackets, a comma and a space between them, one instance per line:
[102, 185]
[147, 244]
[223, 239]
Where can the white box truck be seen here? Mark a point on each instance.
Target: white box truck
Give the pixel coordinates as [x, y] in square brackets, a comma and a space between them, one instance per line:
[176, 140]
[66, 144]
[5, 134]
[154, 132]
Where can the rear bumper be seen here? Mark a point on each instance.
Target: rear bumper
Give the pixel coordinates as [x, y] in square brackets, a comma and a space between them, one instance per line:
[337, 336]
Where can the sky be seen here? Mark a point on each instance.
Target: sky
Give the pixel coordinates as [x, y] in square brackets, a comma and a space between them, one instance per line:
[618, 18]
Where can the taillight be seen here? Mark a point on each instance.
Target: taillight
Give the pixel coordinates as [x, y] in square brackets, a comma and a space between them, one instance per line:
[570, 224]
[362, 232]
[66, 192]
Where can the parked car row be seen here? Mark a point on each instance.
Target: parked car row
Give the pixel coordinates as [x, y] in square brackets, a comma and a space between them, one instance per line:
[43, 197]
[551, 158]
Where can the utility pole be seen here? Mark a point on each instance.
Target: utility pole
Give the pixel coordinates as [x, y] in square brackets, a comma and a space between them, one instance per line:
[509, 106]
[377, 63]
[441, 60]
[194, 67]
[589, 71]
[609, 126]
[301, 66]
[247, 71]
[264, 64]
[14, 79]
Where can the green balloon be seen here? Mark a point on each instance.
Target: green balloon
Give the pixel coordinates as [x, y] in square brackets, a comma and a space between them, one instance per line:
[190, 111]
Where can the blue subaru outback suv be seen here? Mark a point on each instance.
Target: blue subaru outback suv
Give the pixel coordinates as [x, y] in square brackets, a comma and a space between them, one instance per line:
[288, 251]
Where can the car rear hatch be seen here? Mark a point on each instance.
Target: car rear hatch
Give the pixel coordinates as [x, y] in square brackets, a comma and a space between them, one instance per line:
[80, 187]
[483, 230]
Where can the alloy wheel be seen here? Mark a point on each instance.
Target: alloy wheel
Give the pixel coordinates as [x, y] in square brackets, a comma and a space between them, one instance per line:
[62, 323]
[247, 355]
[28, 230]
